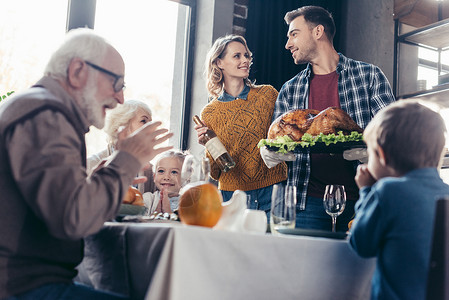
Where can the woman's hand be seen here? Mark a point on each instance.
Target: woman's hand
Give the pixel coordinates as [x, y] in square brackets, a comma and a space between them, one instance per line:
[201, 131]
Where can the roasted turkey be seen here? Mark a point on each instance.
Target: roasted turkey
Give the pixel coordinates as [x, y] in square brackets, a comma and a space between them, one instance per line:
[297, 122]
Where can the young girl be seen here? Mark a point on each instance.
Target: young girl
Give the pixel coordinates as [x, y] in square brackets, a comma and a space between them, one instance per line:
[167, 177]
[240, 114]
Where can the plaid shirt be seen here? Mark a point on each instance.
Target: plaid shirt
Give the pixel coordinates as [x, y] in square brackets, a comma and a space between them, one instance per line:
[363, 90]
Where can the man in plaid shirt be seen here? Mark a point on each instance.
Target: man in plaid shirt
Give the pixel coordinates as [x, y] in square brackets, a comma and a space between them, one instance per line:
[330, 79]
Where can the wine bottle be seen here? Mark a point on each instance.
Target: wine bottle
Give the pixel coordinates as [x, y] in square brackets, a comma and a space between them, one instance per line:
[216, 148]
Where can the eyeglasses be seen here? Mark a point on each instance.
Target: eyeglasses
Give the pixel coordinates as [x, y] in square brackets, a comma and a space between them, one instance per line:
[119, 80]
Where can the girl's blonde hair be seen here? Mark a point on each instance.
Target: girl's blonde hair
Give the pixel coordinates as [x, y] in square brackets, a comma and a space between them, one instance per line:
[121, 116]
[214, 75]
[180, 155]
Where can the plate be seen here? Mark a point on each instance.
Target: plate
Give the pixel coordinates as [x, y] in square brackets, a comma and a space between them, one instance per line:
[320, 147]
[129, 209]
[314, 233]
[141, 219]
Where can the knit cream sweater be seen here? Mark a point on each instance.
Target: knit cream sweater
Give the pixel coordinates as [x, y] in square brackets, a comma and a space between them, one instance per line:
[240, 125]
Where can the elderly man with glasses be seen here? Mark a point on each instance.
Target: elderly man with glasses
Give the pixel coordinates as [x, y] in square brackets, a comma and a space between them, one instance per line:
[48, 202]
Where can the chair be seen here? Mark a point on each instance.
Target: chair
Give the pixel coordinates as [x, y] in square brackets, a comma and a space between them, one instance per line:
[438, 276]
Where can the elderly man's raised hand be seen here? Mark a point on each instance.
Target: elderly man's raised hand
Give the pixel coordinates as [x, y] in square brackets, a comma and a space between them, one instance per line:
[142, 142]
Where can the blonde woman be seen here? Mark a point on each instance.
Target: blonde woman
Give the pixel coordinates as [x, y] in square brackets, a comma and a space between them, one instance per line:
[240, 113]
[131, 115]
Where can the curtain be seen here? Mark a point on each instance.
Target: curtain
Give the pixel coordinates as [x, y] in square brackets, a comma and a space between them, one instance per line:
[266, 34]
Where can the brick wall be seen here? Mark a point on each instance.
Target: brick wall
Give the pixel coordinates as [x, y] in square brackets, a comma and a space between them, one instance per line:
[240, 16]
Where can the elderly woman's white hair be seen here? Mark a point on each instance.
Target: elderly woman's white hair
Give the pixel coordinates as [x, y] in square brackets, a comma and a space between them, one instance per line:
[121, 116]
[81, 42]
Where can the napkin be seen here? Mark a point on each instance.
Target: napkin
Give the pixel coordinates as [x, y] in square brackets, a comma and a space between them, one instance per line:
[235, 217]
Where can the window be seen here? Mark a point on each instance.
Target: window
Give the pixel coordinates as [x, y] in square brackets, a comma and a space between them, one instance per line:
[428, 66]
[27, 39]
[154, 38]
[146, 33]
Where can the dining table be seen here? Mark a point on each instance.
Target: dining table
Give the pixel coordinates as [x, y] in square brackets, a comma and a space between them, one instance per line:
[170, 260]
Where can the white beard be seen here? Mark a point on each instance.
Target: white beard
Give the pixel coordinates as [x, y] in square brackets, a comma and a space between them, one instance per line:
[92, 108]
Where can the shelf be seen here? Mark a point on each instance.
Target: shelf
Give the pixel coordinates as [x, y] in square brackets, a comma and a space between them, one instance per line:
[438, 95]
[419, 13]
[434, 35]
[445, 162]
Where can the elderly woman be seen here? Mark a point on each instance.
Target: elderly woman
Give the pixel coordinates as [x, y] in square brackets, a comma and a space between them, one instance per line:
[129, 116]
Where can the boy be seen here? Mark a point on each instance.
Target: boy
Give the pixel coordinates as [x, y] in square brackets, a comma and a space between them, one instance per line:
[398, 191]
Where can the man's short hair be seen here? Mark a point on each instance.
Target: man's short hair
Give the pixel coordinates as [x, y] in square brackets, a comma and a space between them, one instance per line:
[314, 16]
[411, 135]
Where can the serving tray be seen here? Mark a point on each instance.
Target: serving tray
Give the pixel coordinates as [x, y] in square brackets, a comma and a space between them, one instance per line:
[320, 147]
[315, 233]
[129, 209]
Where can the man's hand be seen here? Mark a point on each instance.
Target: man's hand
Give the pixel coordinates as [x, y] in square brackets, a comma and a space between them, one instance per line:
[136, 180]
[271, 158]
[141, 143]
[139, 179]
[364, 177]
[99, 166]
[359, 154]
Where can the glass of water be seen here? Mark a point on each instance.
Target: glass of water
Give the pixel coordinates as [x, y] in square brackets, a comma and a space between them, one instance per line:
[283, 207]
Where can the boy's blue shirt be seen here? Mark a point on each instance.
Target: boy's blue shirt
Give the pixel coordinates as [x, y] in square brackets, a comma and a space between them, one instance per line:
[394, 221]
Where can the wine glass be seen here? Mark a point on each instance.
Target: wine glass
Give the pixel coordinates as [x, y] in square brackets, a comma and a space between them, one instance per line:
[194, 170]
[205, 169]
[191, 170]
[283, 207]
[334, 202]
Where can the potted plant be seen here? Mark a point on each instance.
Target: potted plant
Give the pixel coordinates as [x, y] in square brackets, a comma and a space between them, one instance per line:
[7, 95]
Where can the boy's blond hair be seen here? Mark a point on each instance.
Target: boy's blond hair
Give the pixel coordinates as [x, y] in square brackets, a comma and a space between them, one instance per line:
[411, 135]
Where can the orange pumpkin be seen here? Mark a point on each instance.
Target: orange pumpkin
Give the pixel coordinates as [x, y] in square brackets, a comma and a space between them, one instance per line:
[200, 204]
[350, 224]
[133, 196]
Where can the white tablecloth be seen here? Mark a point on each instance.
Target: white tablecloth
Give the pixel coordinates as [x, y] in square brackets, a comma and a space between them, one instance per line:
[166, 261]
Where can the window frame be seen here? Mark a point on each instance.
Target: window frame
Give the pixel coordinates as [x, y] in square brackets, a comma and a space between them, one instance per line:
[81, 13]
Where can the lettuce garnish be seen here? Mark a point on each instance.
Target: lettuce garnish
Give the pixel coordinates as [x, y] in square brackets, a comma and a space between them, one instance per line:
[286, 144]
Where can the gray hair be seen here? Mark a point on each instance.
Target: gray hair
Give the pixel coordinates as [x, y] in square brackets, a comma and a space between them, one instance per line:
[83, 43]
[121, 116]
[411, 135]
